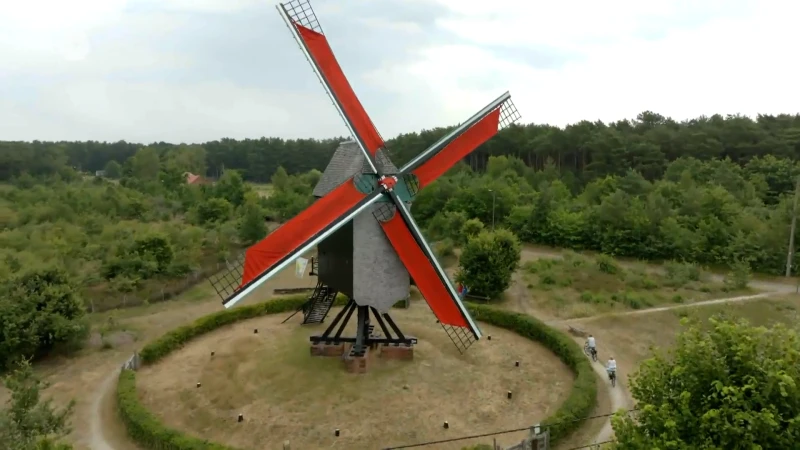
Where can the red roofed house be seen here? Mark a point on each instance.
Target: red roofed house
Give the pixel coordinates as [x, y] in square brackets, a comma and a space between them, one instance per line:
[195, 179]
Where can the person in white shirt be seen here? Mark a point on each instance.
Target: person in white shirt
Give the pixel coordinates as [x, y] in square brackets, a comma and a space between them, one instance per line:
[612, 366]
[590, 342]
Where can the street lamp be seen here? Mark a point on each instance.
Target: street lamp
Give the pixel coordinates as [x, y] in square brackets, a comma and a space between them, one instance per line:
[494, 196]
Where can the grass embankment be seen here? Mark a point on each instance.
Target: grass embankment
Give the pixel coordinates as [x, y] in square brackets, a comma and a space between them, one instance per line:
[581, 285]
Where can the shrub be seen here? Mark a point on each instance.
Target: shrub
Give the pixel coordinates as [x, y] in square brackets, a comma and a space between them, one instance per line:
[179, 336]
[739, 275]
[488, 261]
[40, 310]
[679, 273]
[606, 264]
[470, 229]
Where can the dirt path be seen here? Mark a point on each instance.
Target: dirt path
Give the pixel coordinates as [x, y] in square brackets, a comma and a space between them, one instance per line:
[107, 434]
[715, 301]
[619, 395]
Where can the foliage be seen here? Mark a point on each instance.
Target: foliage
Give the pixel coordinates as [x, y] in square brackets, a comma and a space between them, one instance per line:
[291, 194]
[113, 170]
[583, 285]
[727, 386]
[40, 310]
[488, 261]
[138, 238]
[147, 430]
[174, 339]
[28, 422]
[710, 191]
[739, 275]
[444, 248]
[252, 227]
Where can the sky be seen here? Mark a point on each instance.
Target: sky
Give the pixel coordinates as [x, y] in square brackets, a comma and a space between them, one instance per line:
[200, 70]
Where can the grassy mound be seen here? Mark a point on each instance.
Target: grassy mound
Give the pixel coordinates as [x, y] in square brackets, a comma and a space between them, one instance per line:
[147, 430]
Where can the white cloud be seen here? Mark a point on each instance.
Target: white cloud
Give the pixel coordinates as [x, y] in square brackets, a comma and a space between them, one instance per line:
[112, 111]
[194, 70]
[52, 29]
[734, 64]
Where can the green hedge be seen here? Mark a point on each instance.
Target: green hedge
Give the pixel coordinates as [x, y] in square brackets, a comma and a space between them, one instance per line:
[147, 430]
[179, 336]
[583, 396]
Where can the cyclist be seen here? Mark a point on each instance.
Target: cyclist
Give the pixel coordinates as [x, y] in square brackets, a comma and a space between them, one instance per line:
[611, 367]
[592, 345]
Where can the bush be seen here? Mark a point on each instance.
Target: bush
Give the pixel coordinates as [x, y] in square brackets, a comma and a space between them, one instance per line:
[179, 336]
[679, 273]
[739, 276]
[470, 229]
[147, 430]
[606, 264]
[488, 261]
[728, 385]
[39, 311]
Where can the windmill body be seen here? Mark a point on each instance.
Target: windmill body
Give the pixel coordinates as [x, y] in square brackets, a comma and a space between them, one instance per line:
[358, 260]
[368, 244]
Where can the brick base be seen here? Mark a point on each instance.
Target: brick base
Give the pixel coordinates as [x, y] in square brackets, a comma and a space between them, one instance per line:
[357, 364]
[400, 352]
[327, 350]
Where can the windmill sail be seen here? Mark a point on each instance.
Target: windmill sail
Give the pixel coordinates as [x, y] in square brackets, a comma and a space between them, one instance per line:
[295, 237]
[303, 23]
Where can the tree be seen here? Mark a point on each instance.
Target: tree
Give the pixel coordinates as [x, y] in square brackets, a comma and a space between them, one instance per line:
[280, 178]
[727, 385]
[145, 165]
[470, 229]
[213, 210]
[231, 187]
[28, 422]
[488, 261]
[113, 170]
[40, 309]
[252, 226]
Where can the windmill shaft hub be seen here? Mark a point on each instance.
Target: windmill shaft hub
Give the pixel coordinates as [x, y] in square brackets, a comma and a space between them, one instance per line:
[388, 183]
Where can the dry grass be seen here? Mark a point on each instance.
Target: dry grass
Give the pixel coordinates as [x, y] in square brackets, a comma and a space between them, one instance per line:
[631, 339]
[285, 394]
[583, 286]
[264, 190]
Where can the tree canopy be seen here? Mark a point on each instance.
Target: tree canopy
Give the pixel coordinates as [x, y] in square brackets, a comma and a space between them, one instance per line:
[588, 150]
[726, 386]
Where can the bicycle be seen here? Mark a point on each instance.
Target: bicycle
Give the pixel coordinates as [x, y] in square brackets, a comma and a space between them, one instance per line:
[612, 375]
[590, 351]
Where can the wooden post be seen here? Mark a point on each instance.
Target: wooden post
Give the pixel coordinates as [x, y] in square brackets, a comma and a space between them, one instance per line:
[790, 252]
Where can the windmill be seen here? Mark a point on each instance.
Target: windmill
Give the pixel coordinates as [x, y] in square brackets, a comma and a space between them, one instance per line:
[368, 245]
